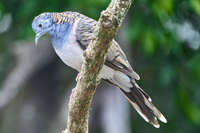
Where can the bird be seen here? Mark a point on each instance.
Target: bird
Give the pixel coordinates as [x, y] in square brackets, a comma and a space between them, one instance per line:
[70, 34]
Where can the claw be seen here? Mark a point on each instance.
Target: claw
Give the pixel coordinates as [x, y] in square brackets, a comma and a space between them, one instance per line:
[77, 77]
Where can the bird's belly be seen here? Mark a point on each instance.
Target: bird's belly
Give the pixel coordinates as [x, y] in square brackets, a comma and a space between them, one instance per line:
[72, 55]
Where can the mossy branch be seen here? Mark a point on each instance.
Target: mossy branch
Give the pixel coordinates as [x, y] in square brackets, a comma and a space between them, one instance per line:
[107, 27]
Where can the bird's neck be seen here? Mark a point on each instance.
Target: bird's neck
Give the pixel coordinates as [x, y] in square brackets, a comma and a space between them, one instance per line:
[60, 34]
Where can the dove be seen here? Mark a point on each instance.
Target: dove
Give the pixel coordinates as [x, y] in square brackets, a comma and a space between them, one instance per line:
[70, 34]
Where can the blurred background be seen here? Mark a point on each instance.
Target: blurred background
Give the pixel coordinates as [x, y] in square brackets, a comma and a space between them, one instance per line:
[161, 39]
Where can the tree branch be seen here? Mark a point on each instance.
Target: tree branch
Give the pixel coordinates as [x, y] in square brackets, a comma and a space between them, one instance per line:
[107, 27]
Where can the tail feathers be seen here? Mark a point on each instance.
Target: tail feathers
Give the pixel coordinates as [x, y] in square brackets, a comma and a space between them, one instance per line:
[143, 105]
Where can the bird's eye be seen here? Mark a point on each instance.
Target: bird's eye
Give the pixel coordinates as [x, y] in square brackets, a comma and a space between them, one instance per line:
[40, 25]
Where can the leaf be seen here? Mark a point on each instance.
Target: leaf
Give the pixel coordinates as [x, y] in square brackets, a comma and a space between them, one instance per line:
[195, 4]
[190, 109]
[194, 66]
[163, 7]
[149, 43]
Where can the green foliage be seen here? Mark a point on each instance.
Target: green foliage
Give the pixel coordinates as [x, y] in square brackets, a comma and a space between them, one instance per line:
[190, 109]
[149, 42]
[195, 4]
[1, 10]
[194, 66]
[162, 8]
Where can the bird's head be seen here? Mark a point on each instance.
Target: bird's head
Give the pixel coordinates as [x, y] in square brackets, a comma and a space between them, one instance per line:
[53, 24]
[42, 24]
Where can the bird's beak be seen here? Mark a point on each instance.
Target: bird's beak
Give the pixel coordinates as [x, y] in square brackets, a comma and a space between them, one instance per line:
[37, 37]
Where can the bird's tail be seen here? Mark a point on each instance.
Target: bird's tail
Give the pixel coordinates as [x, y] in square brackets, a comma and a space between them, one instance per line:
[142, 103]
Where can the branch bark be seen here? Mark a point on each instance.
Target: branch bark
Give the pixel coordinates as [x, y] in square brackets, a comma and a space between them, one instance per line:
[94, 56]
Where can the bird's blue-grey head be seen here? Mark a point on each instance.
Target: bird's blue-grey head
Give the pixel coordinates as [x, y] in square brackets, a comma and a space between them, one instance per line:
[56, 25]
[42, 24]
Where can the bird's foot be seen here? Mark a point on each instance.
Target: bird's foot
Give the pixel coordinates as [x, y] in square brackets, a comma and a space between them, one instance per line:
[77, 77]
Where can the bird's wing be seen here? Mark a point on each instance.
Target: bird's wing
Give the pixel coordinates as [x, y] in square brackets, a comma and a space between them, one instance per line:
[116, 58]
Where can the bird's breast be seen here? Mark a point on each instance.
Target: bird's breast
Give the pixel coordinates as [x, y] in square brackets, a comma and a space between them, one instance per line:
[69, 51]
[71, 54]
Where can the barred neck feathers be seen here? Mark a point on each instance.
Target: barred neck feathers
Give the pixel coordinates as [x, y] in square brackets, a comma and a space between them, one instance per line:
[62, 27]
[65, 17]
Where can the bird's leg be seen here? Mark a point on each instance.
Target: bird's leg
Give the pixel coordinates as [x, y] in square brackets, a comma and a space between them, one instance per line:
[77, 77]
[72, 94]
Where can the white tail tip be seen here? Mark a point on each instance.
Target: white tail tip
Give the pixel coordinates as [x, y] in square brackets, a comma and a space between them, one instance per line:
[156, 126]
[163, 119]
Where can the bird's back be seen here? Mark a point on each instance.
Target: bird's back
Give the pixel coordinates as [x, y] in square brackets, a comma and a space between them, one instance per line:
[115, 57]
